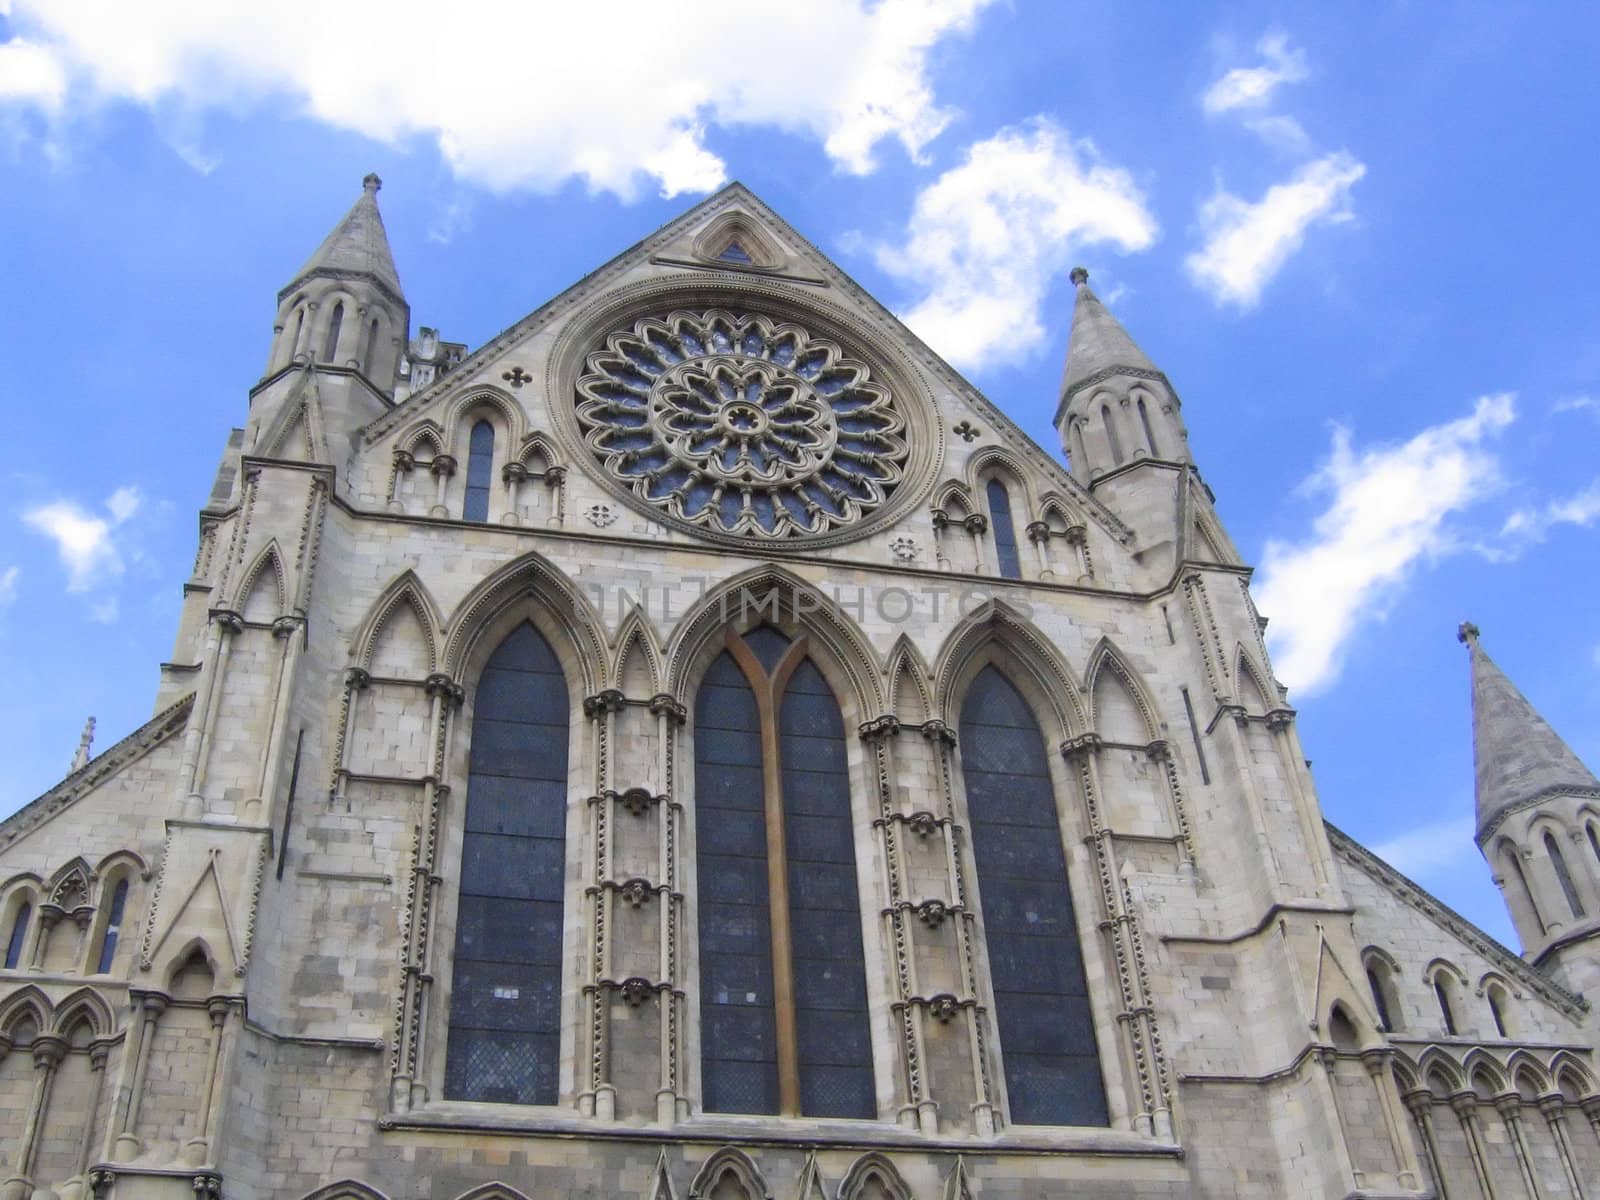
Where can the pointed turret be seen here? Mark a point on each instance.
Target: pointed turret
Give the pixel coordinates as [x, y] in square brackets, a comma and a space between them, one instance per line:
[1520, 760]
[345, 307]
[1116, 406]
[1536, 825]
[357, 246]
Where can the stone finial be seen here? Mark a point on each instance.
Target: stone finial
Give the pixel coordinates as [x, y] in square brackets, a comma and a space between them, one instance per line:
[1079, 276]
[85, 741]
[371, 183]
[1467, 633]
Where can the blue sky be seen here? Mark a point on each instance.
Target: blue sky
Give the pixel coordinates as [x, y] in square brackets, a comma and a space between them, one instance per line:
[1364, 250]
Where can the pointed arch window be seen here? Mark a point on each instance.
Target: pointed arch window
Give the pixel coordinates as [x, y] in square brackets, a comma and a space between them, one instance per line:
[1005, 531]
[19, 935]
[1378, 979]
[783, 997]
[480, 472]
[1149, 433]
[1441, 993]
[505, 1004]
[372, 348]
[1497, 1009]
[1042, 1009]
[1594, 840]
[1512, 859]
[108, 942]
[1558, 863]
[334, 322]
[1112, 440]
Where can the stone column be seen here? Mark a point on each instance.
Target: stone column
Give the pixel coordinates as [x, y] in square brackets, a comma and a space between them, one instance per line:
[1465, 1104]
[514, 474]
[1039, 534]
[403, 463]
[197, 1150]
[1330, 1065]
[356, 681]
[151, 1006]
[303, 334]
[1554, 1110]
[1078, 538]
[1510, 1110]
[597, 1095]
[47, 1053]
[98, 1053]
[229, 624]
[1280, 721]
[671, 1103]
[941, 521]
[441, 468]
[1419, 1101]
[555, 478]
[976, 526]
[1380, 1066]
[284, 630]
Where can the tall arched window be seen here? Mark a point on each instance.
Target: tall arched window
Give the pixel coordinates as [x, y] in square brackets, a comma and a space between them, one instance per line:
[332, 347]
[1112, 439]
[1594, 841]
[1052, 1066]
[505, 1003]
[1005, 532]
[480, 472]
[1377, 980]
[372, 348]
[1497, 1008]
[1149, 433]
[108, 942]
[19, 935]
[783, 995]
[1441, 993]
[1558, 863]
[1513, 859]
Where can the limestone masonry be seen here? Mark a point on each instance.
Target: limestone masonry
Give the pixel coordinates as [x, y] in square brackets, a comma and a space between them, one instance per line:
[695, 745]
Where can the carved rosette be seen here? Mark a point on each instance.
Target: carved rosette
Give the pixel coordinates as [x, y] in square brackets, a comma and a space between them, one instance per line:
[741, 425]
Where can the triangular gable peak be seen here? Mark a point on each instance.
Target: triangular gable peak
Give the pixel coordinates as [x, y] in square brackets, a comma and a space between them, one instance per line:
[697, 242]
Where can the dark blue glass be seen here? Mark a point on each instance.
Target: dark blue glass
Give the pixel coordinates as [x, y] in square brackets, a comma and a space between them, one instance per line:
[738, 1027]
[1046, 1026]
[1005, 533]
[108, 945]
[505, 1006]
[480, 472]
[19, 934]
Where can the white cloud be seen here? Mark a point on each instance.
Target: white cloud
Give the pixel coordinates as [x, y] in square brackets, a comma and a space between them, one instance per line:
[1387, 509]
[1431, 849]
[1284, 134]
[1532, 524]
[986, 238]
[615, 92]
[83, 539]
[1246, 244]
[1252, 87]
[8, 585]
[31, 73]
[1576, 404]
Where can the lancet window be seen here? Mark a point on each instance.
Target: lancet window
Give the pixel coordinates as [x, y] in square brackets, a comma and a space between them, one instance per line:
[505, 1006]
[1558, 863]
[19, 936]
[1005, 530]
[108, 941]
[480, 472]
[1041, 996]
[783, 1004]
[334, 322]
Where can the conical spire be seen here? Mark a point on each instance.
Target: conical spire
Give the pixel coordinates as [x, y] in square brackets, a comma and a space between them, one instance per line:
[358, 245]
[1098, 342]
[1520, 759]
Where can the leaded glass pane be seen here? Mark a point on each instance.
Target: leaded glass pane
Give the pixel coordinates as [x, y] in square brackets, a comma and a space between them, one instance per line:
[1042, 1009]
[1005, 533]
[834, 1042]
[738, 1031]
[505, 1007]
[480, 472]
[767, 644]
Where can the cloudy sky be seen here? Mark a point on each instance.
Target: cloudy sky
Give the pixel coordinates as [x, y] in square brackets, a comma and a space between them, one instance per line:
[1364, 251]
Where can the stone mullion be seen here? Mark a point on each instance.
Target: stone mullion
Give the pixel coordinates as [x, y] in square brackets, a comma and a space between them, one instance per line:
[47, 1053]
[942, 738]
[151, 1005]
[98, 1053]
[598, 1096]
[918, 1107]
[1420, 1104]
[410, 1042]
[1380, 1067]
[669, 717]
[1114, 927]
[1510, 1110]
[1465, 1105]
[1553, 1109]
[356, 681]
[1280, 723]
[1328, 1059]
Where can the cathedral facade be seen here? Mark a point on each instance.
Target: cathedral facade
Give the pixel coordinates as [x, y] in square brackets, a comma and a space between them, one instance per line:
[695, 745]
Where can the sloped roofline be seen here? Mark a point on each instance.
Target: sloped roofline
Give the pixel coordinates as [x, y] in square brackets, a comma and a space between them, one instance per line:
[166, 724]
[1419, 898]
[920, 349]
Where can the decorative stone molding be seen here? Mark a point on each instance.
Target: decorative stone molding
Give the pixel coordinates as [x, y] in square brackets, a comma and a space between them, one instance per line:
[939, 732]
[442, 464]
[608, 701]
[885, 726]
[662, 703]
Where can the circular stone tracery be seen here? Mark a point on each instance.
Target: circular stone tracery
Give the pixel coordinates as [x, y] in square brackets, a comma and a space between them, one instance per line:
[741, 424]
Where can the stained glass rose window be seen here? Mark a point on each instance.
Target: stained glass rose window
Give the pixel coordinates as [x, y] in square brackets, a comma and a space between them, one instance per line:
[741, 424]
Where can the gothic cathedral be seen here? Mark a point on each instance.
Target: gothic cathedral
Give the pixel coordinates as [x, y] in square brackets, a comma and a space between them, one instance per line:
[695, 746]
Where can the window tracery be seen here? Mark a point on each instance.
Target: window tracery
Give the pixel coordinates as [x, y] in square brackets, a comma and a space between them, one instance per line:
[741, 425]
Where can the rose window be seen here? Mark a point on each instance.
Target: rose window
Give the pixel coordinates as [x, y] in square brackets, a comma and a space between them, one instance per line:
[741, 425]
